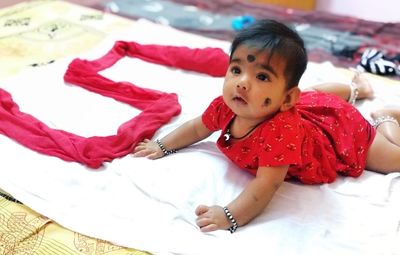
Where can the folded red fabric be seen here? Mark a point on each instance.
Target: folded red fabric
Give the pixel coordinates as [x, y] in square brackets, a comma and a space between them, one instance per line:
[157, 108]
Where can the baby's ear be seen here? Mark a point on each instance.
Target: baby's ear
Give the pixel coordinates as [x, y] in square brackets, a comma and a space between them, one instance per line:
[292, 96]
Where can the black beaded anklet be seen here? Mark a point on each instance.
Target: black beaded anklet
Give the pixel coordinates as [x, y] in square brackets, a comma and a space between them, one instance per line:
[234, 224]
[165, 151]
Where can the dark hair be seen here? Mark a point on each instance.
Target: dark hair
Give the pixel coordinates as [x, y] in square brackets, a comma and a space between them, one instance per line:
[277, 38]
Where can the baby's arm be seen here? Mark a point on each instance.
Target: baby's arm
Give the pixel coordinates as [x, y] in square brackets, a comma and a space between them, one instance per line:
[188, 133]
[250, 203]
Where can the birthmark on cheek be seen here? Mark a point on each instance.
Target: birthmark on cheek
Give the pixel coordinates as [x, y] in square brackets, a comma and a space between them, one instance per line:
[251, 58]
[267, 101]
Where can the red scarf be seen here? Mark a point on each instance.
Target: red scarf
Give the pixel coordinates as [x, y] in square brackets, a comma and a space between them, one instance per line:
[157, 107]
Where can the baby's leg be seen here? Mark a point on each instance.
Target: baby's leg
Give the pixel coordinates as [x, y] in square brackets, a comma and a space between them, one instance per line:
[387, 123]
[384, 153]
[359, 83]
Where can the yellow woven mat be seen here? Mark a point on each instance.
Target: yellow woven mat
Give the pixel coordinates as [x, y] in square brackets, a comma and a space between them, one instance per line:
[23, 231]
[39, 32]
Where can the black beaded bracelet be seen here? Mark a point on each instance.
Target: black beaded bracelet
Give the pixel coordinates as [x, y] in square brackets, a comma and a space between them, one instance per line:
[165, 151]
[234, 224]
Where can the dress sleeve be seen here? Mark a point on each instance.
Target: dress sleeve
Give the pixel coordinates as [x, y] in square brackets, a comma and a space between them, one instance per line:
[215, 116]
[281, 142]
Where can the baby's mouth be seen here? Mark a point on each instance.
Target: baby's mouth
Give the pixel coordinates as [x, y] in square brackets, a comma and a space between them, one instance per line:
[239, 99]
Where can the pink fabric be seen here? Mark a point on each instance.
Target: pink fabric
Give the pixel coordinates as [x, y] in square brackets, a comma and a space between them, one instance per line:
[157, 107]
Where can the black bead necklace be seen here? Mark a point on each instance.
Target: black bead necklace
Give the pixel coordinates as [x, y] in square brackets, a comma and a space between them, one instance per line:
[228, 136]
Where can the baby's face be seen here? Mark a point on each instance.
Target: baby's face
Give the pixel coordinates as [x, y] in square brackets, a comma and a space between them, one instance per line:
[255, 86]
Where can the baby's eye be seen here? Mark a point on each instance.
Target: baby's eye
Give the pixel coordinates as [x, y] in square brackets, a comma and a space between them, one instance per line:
[263, 77]
[235, 70]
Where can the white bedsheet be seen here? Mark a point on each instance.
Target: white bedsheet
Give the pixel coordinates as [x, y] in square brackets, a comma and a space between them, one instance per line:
[150, 205]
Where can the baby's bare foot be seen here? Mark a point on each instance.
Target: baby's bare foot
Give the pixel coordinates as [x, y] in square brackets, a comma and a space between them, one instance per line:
[364, 87]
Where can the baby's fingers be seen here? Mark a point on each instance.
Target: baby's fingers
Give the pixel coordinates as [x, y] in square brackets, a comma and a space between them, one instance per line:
[141, 146]
[201, 209]
[141, 152]
[209, 228]
[154, 155]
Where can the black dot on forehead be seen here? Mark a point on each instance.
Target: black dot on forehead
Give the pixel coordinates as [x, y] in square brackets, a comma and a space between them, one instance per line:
[251, 58]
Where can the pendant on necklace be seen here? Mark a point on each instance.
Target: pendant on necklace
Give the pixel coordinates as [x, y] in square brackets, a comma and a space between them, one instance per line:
[227, 136]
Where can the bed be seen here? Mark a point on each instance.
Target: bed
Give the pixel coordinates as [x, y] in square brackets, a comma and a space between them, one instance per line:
[148, 206]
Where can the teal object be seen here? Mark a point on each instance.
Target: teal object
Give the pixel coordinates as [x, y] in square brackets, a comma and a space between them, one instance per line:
[241, 22]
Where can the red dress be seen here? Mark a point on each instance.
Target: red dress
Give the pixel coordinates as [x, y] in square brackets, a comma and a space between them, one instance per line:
[321, 136]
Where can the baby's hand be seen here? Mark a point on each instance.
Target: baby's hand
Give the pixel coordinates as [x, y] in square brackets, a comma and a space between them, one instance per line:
[211, 218]
[149, 149]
